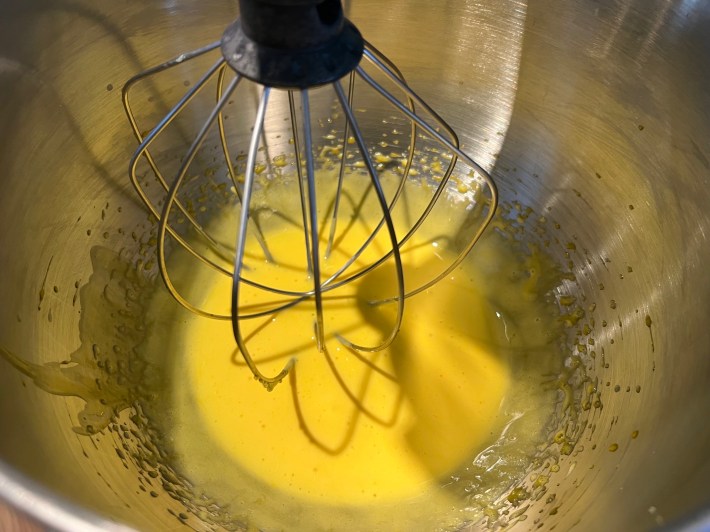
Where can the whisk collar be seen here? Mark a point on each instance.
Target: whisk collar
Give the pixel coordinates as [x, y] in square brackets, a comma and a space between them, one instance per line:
[292, 43]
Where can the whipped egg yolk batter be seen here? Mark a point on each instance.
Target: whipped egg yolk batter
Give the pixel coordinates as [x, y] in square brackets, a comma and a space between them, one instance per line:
[347, 427]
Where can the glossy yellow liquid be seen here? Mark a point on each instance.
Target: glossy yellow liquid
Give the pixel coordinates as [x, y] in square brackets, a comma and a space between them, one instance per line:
[348, 427]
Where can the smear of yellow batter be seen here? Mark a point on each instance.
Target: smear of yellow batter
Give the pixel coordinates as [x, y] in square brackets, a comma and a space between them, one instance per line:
[349, 427]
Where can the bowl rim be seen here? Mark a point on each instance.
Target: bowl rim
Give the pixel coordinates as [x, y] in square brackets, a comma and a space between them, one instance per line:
[48, 507]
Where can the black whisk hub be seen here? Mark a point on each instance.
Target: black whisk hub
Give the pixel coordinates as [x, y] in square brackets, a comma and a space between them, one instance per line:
[292, 43]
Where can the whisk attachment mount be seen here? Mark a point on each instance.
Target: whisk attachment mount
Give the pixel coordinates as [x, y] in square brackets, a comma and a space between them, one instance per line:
[292, 43]
[307, 67]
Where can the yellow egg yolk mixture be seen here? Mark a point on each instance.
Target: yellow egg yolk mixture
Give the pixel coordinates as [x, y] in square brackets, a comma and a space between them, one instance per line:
[349, 426]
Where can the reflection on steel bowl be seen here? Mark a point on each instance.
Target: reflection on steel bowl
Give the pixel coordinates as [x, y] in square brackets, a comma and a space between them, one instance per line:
[594, 121]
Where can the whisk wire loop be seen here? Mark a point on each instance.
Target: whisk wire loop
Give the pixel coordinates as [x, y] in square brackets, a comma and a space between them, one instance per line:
[143, 151]
[371, 54]
[172, 195]
[299, 176]
[330, 284]
[268, 382]
[312, 224]
[341, 170]
[258, 234]
[169, 117]
[382, 200]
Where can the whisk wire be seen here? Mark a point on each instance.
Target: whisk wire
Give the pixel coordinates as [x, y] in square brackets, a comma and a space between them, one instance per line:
[341, 170]
[258, 234]
[331, 281]
[313, 220]
[145, 143]
[382, 200]
[172, 195]
[299, 176]
[164, 225]
[268, 382]
[395, 197]
[144, 151]
[454, 147]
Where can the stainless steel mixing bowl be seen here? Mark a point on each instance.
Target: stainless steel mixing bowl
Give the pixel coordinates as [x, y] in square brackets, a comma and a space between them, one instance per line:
[594, 113]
